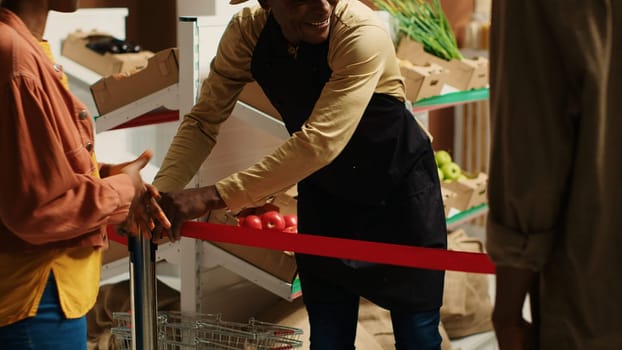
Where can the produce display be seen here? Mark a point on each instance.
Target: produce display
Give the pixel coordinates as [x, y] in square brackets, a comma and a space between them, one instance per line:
[448, 170]
[270, 220]
[425, 23]
[460, 190]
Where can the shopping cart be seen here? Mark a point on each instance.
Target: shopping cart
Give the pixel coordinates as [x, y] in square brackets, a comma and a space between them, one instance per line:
[176, 330]
[196, 331]
[275, 329]
[121, 338]
[253, 335]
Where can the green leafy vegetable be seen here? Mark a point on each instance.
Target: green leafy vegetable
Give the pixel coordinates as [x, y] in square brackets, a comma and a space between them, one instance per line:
[425, 23]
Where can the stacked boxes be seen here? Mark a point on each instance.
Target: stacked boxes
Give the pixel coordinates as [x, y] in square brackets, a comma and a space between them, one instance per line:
[464, 74]
[75, 47]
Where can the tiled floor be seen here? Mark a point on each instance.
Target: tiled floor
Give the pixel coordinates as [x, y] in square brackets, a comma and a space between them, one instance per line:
[482, 341]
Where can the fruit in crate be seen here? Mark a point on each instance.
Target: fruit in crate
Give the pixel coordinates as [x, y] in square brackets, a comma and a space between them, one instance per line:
[290, 220]
[441, 175]
[451, 171]
[251, 221]
[268, 217]
[272, 220]
[442, 157]
[291, 229]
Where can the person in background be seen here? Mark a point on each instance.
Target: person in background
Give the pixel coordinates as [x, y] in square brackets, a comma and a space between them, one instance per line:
[55, 199]
[554, 222]
[355, 152]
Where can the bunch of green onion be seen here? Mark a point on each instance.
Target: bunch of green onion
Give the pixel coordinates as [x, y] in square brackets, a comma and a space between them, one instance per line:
[424, 23]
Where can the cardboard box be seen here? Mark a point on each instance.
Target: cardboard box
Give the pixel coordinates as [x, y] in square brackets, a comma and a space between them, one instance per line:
[160, 71]
[74, 47]
[447, 196]
[464, 74]
[281, 265]
[254, 96]
[277, 263]
[466, 193]
[467, 74]
[422, 81]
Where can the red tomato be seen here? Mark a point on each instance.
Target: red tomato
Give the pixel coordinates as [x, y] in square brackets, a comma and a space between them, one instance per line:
[252, 221]
[272, 220]
[291, 229]
[290, 220]
[241, 221]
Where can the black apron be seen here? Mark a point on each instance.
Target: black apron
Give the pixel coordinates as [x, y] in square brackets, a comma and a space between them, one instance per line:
[383, 187]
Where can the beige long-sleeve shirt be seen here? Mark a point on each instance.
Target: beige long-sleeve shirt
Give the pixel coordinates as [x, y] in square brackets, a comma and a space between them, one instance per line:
[554, 191]
[362, 58]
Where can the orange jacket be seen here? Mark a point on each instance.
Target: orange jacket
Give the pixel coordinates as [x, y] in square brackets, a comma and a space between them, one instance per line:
[53, 205]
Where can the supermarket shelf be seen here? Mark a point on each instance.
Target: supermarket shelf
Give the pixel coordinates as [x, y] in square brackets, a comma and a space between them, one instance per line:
[167, 99]
[158, 116]
[162, 106]
[450, 99]
[217, 256]
[466, 215]
[120, 267]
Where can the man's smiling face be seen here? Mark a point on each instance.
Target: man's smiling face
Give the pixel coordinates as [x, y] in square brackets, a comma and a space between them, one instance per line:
[302, 20]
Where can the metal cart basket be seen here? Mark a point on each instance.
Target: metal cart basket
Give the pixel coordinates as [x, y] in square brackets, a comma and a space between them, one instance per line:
[195, 331]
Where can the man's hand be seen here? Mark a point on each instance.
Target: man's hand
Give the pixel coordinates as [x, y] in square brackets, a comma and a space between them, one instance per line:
[516, 336]
[512, 331]
[187, 205]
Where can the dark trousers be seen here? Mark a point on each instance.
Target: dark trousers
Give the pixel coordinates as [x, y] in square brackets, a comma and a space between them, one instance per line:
[48, 330]
[333, 326]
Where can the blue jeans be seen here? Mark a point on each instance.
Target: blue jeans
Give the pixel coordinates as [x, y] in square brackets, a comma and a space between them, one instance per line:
[48, 330]
[333, 327]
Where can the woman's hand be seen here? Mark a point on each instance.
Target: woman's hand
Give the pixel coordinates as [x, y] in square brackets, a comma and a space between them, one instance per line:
[144, 210]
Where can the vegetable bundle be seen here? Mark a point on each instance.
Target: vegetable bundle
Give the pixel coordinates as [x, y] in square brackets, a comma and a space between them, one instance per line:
[424, 23]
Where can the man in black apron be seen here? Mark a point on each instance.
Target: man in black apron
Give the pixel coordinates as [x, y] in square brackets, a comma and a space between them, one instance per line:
[329, 68]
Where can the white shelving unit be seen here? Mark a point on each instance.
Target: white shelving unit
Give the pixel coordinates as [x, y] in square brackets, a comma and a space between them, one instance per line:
[167, 98]
[213, 255]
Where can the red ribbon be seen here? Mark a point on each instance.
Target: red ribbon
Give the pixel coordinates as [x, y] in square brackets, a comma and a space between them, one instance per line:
[382, 253]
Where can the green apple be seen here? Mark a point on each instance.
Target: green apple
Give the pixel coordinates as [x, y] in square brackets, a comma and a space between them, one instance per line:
[442, 157]
[441, 175]
[451, 171]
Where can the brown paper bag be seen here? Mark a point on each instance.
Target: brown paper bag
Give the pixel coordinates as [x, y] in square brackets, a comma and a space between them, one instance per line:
[466, 306]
